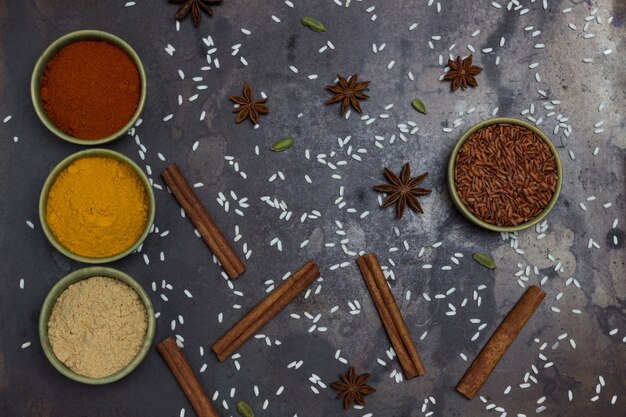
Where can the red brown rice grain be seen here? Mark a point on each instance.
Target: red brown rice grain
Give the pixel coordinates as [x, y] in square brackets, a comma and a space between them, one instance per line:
[505, 174]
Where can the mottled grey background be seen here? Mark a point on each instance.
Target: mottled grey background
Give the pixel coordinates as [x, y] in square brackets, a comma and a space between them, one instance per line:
[29, 386]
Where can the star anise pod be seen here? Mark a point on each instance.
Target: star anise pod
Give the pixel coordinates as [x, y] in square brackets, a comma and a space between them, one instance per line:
[195, 7]
[462, 73]
[248, 108]
[348, 92]
[403, 190]
[352, 388]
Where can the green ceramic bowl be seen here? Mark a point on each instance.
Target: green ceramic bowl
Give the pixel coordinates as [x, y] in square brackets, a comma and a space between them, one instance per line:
[452, 185]
[43, 200]
[52, 50]
[46, 311]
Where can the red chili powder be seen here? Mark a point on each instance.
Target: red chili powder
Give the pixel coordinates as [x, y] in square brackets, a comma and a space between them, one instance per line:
[90, 89]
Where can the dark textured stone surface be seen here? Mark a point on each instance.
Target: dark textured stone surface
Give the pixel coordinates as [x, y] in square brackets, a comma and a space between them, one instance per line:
[29, 386]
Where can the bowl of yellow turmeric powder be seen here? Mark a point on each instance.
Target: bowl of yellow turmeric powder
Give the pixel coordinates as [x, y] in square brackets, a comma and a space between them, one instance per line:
[96, 206]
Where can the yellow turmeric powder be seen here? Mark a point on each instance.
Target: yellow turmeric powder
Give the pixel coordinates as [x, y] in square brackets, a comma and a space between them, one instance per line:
[97, 207]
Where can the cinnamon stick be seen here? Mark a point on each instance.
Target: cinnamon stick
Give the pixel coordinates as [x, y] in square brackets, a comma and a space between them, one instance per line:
[201, 219]
[187, 380]
[263, 312]
[499, 342]
[390, 316]
[392, 307]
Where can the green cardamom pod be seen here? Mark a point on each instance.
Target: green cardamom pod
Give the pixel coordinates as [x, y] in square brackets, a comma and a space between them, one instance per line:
[484, 259]
[284, 143]
[419, 105]
[313, 24]
[244, 409]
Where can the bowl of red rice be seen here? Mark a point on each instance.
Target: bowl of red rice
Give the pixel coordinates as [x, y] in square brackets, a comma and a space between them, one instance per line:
[504, 175]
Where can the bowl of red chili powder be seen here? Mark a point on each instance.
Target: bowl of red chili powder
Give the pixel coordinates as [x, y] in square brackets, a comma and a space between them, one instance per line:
[504, 175]
[88, 87]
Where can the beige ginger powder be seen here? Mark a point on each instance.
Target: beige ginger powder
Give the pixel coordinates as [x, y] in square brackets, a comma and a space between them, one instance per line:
[97, 326]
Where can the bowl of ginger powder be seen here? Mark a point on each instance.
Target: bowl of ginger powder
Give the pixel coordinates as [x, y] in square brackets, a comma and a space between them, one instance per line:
[96, 325]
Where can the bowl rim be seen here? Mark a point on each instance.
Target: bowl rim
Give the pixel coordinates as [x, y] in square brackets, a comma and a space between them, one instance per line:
[452, 185]
[51, 179]
[52, 50]
[50, 301]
